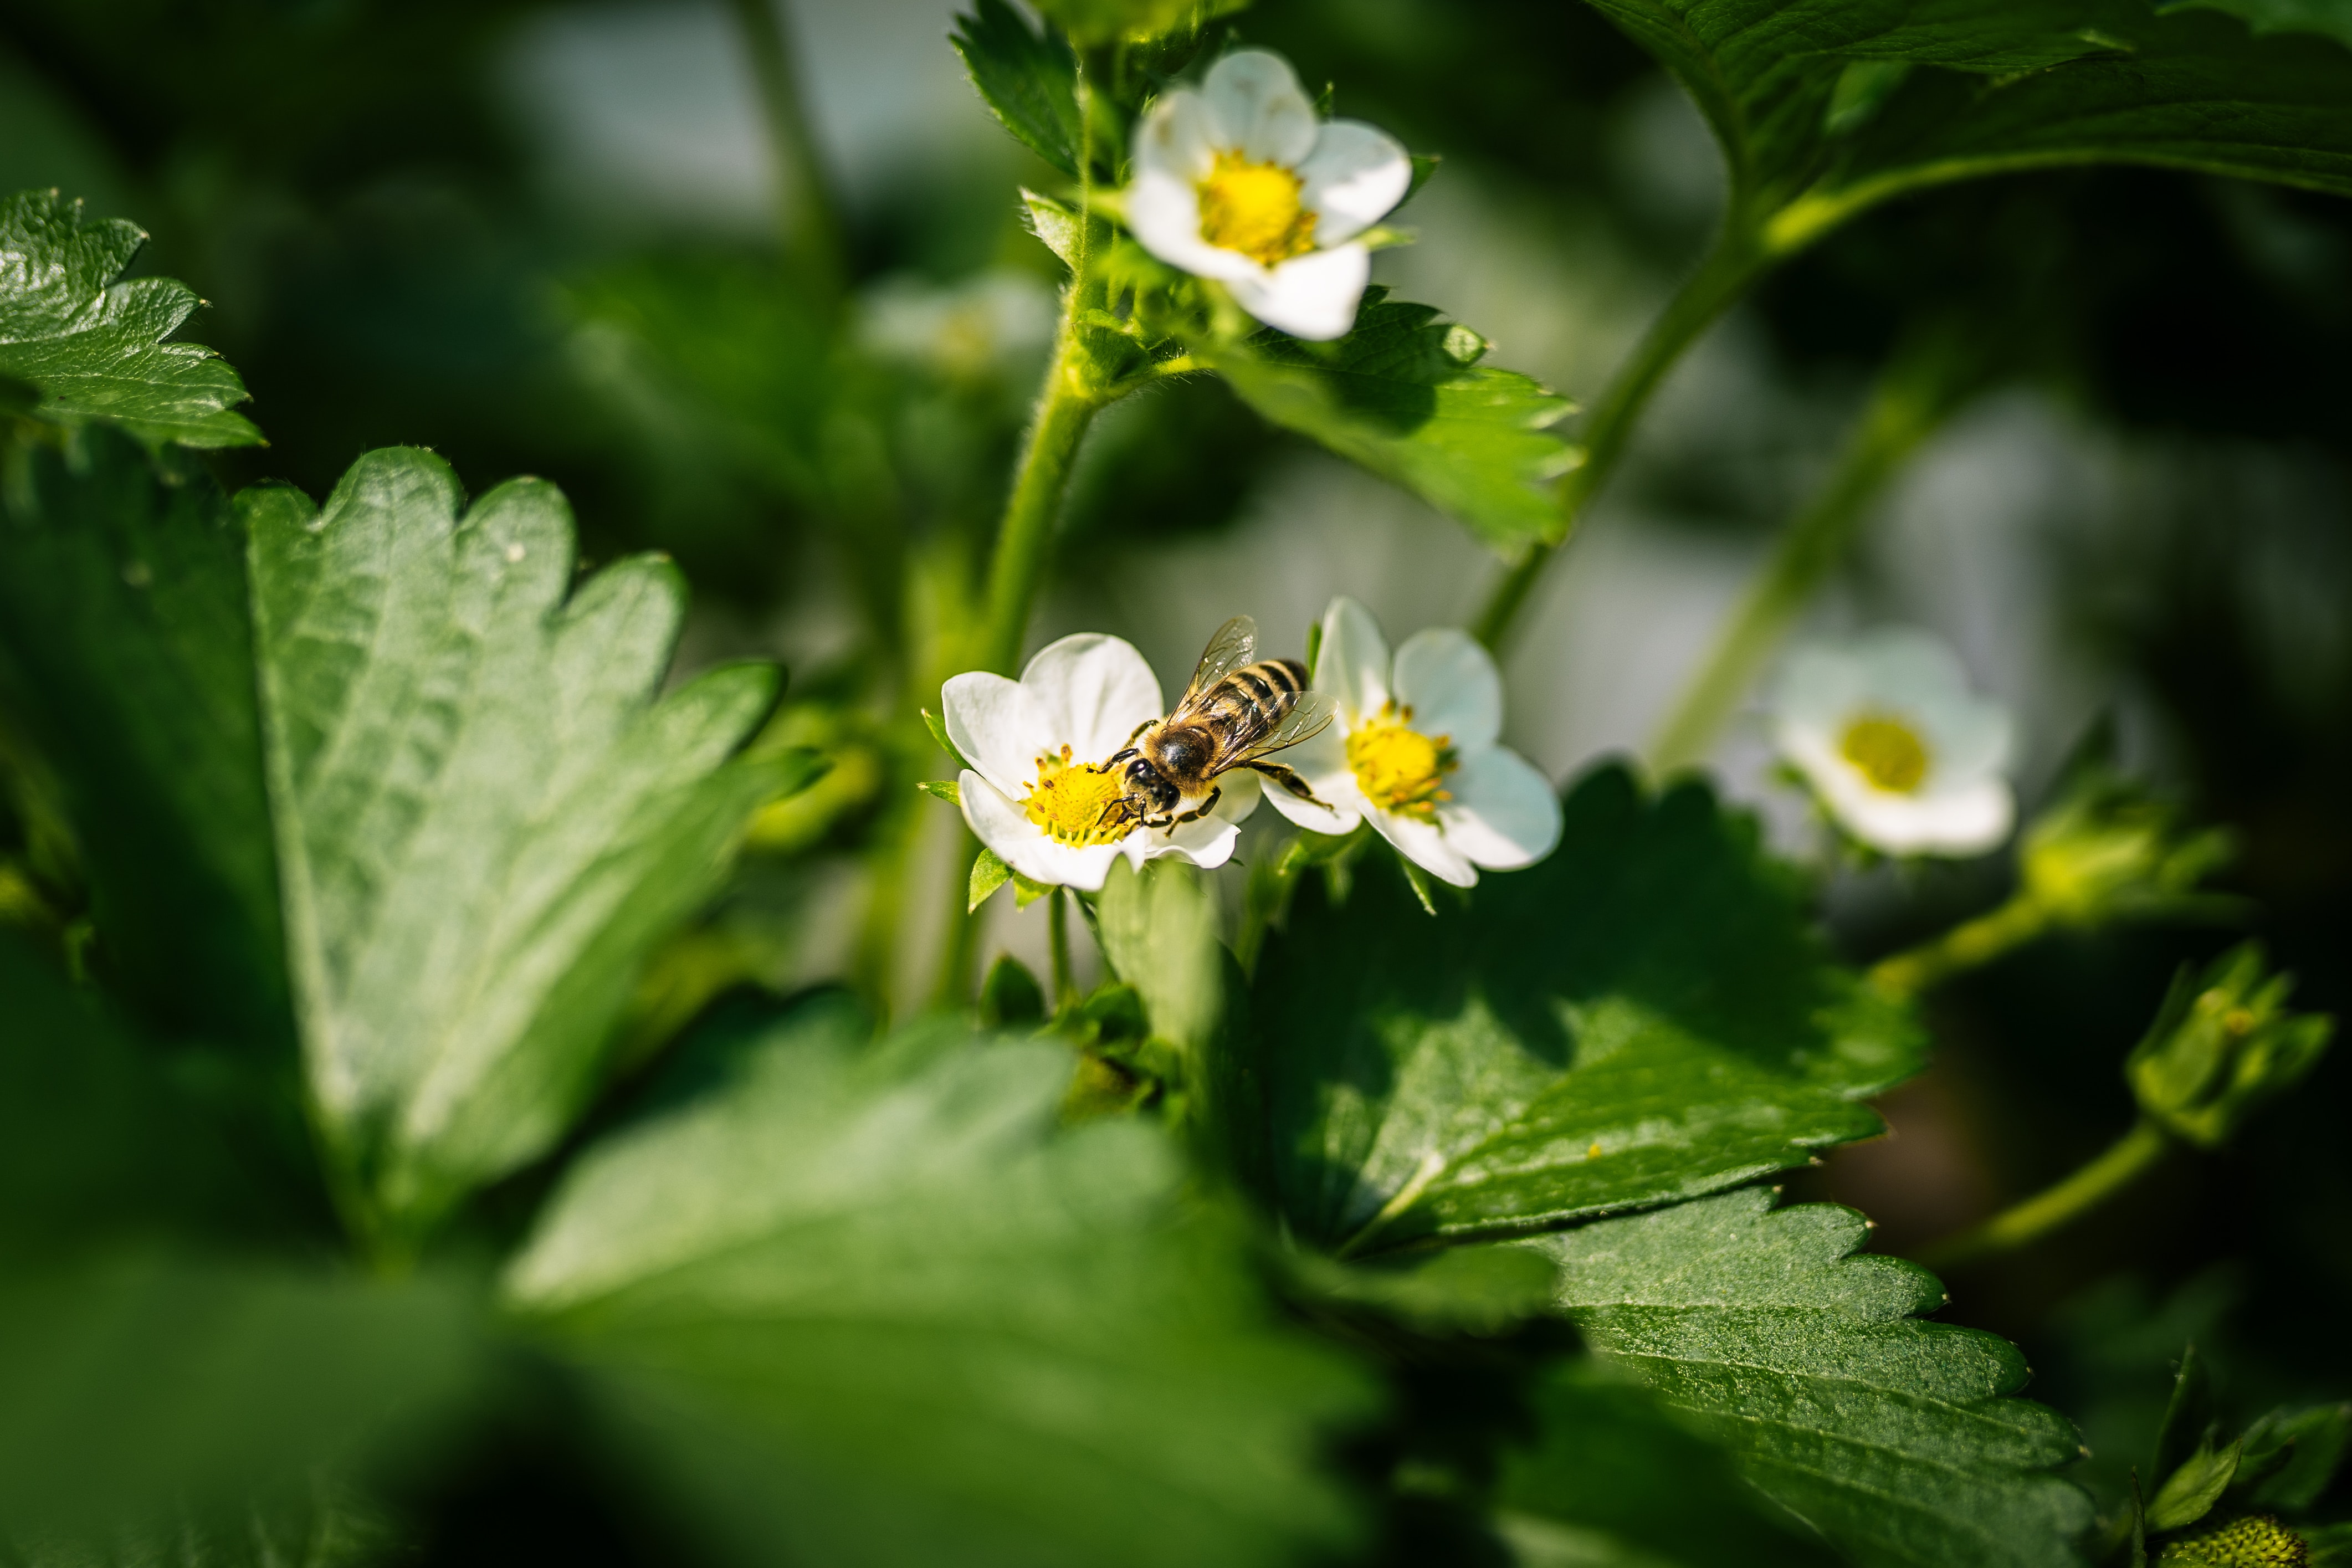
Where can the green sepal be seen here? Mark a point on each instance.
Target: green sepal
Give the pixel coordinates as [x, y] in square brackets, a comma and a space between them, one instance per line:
[989, 872]
[1010, 997]
[2189, 1493]
[1026, 893]
[948, 790]
[939, 730]
[2222, 1045]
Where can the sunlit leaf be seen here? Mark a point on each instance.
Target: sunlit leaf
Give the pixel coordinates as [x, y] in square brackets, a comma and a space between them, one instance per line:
[1645, 1015]
[862, 1304]
[485, 819]
[1897, 1439]
[1029, 80]
[1406, 396]
[93, 346]
[127, 655]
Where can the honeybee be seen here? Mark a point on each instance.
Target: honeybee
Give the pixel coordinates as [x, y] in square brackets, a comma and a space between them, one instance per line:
[1237, 709]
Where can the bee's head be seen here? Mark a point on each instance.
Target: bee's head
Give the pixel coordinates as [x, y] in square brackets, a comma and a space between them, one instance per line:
[1150, 788]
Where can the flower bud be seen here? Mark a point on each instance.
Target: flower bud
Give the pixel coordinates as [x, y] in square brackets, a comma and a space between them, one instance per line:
[2105, 850]
[2221, 1045]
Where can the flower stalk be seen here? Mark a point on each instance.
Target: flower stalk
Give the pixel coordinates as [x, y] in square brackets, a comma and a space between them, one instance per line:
[805, 212]
[1729, 268]
[1911, 400]
[2056, 1207]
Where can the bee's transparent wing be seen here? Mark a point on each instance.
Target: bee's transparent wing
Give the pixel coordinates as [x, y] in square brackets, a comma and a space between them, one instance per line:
[1235, 645]
[1310, 719]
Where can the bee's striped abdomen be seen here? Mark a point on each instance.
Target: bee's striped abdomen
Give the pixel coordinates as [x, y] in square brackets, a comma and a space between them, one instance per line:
[1257, 697]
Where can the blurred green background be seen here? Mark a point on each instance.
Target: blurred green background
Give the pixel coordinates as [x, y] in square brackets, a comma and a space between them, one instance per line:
[551, 238]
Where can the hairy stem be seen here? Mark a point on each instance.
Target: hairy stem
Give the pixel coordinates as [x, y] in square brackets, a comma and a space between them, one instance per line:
[1704, 295]
[2020, 1224]
[1907, 405]
[1966, 946]
[805, 212]
[1065, 409]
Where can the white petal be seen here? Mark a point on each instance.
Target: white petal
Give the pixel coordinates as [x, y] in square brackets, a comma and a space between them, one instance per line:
[1504, 814]
[1424, 844]
[1819, 690]
[1239, 793]
[1966, 822]
[1259, 108]
[1904, 668]
[1165, 214]
[1353, 664]
[1208, 843]
[1452, 686]
[1967, 738]
[1352, 179]
[1095, 692]
[1000, 727]
[1312, 296]
[1322, 762]
[1179, 138]
[1022, 845]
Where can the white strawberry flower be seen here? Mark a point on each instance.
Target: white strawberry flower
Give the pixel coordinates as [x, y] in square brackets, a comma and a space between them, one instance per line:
[1412, 750]
[1036, 792]
[1897, 748]
[1239, 181]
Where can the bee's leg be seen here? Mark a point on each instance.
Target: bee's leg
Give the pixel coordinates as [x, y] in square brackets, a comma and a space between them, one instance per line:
[1139, 729]
[1116, 758]
[1202, 809]
[1287, 778]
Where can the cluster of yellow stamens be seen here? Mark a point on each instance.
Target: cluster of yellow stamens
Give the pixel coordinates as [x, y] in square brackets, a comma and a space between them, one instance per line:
[1253, 208]
[1886, 752]
[1077, 802]
[1399, 768]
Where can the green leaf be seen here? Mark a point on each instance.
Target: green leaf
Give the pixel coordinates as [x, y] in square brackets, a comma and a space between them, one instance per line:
[127, 655]
[1820, 114]
[1645, 1015]
[99, 1144]
[2326, 18]
[1456, 1290]
[485, 819]
[1609, 1479]
[2291, 1455]
[2189, 1493]
[1159, 933]
[138, 1382]
[1028, 79]
[1895, 1438]
[1405, 396]
[989, 872]
[316, 1523]
[868, 1304]
[93, 345]
[2188, 1422]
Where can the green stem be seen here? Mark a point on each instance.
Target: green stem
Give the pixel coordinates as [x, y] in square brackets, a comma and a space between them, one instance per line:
[1966, 946]
[1057, 920]
[961, 941]
[1065, 409]
[1704, 295]
[805, 212]
[1907, 404]
[2058, 1207]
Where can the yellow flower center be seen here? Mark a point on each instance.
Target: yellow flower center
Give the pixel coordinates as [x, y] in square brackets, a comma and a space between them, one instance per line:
[1253, 208]
[1399, 768]
[1886, 752]
[1077, 802]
